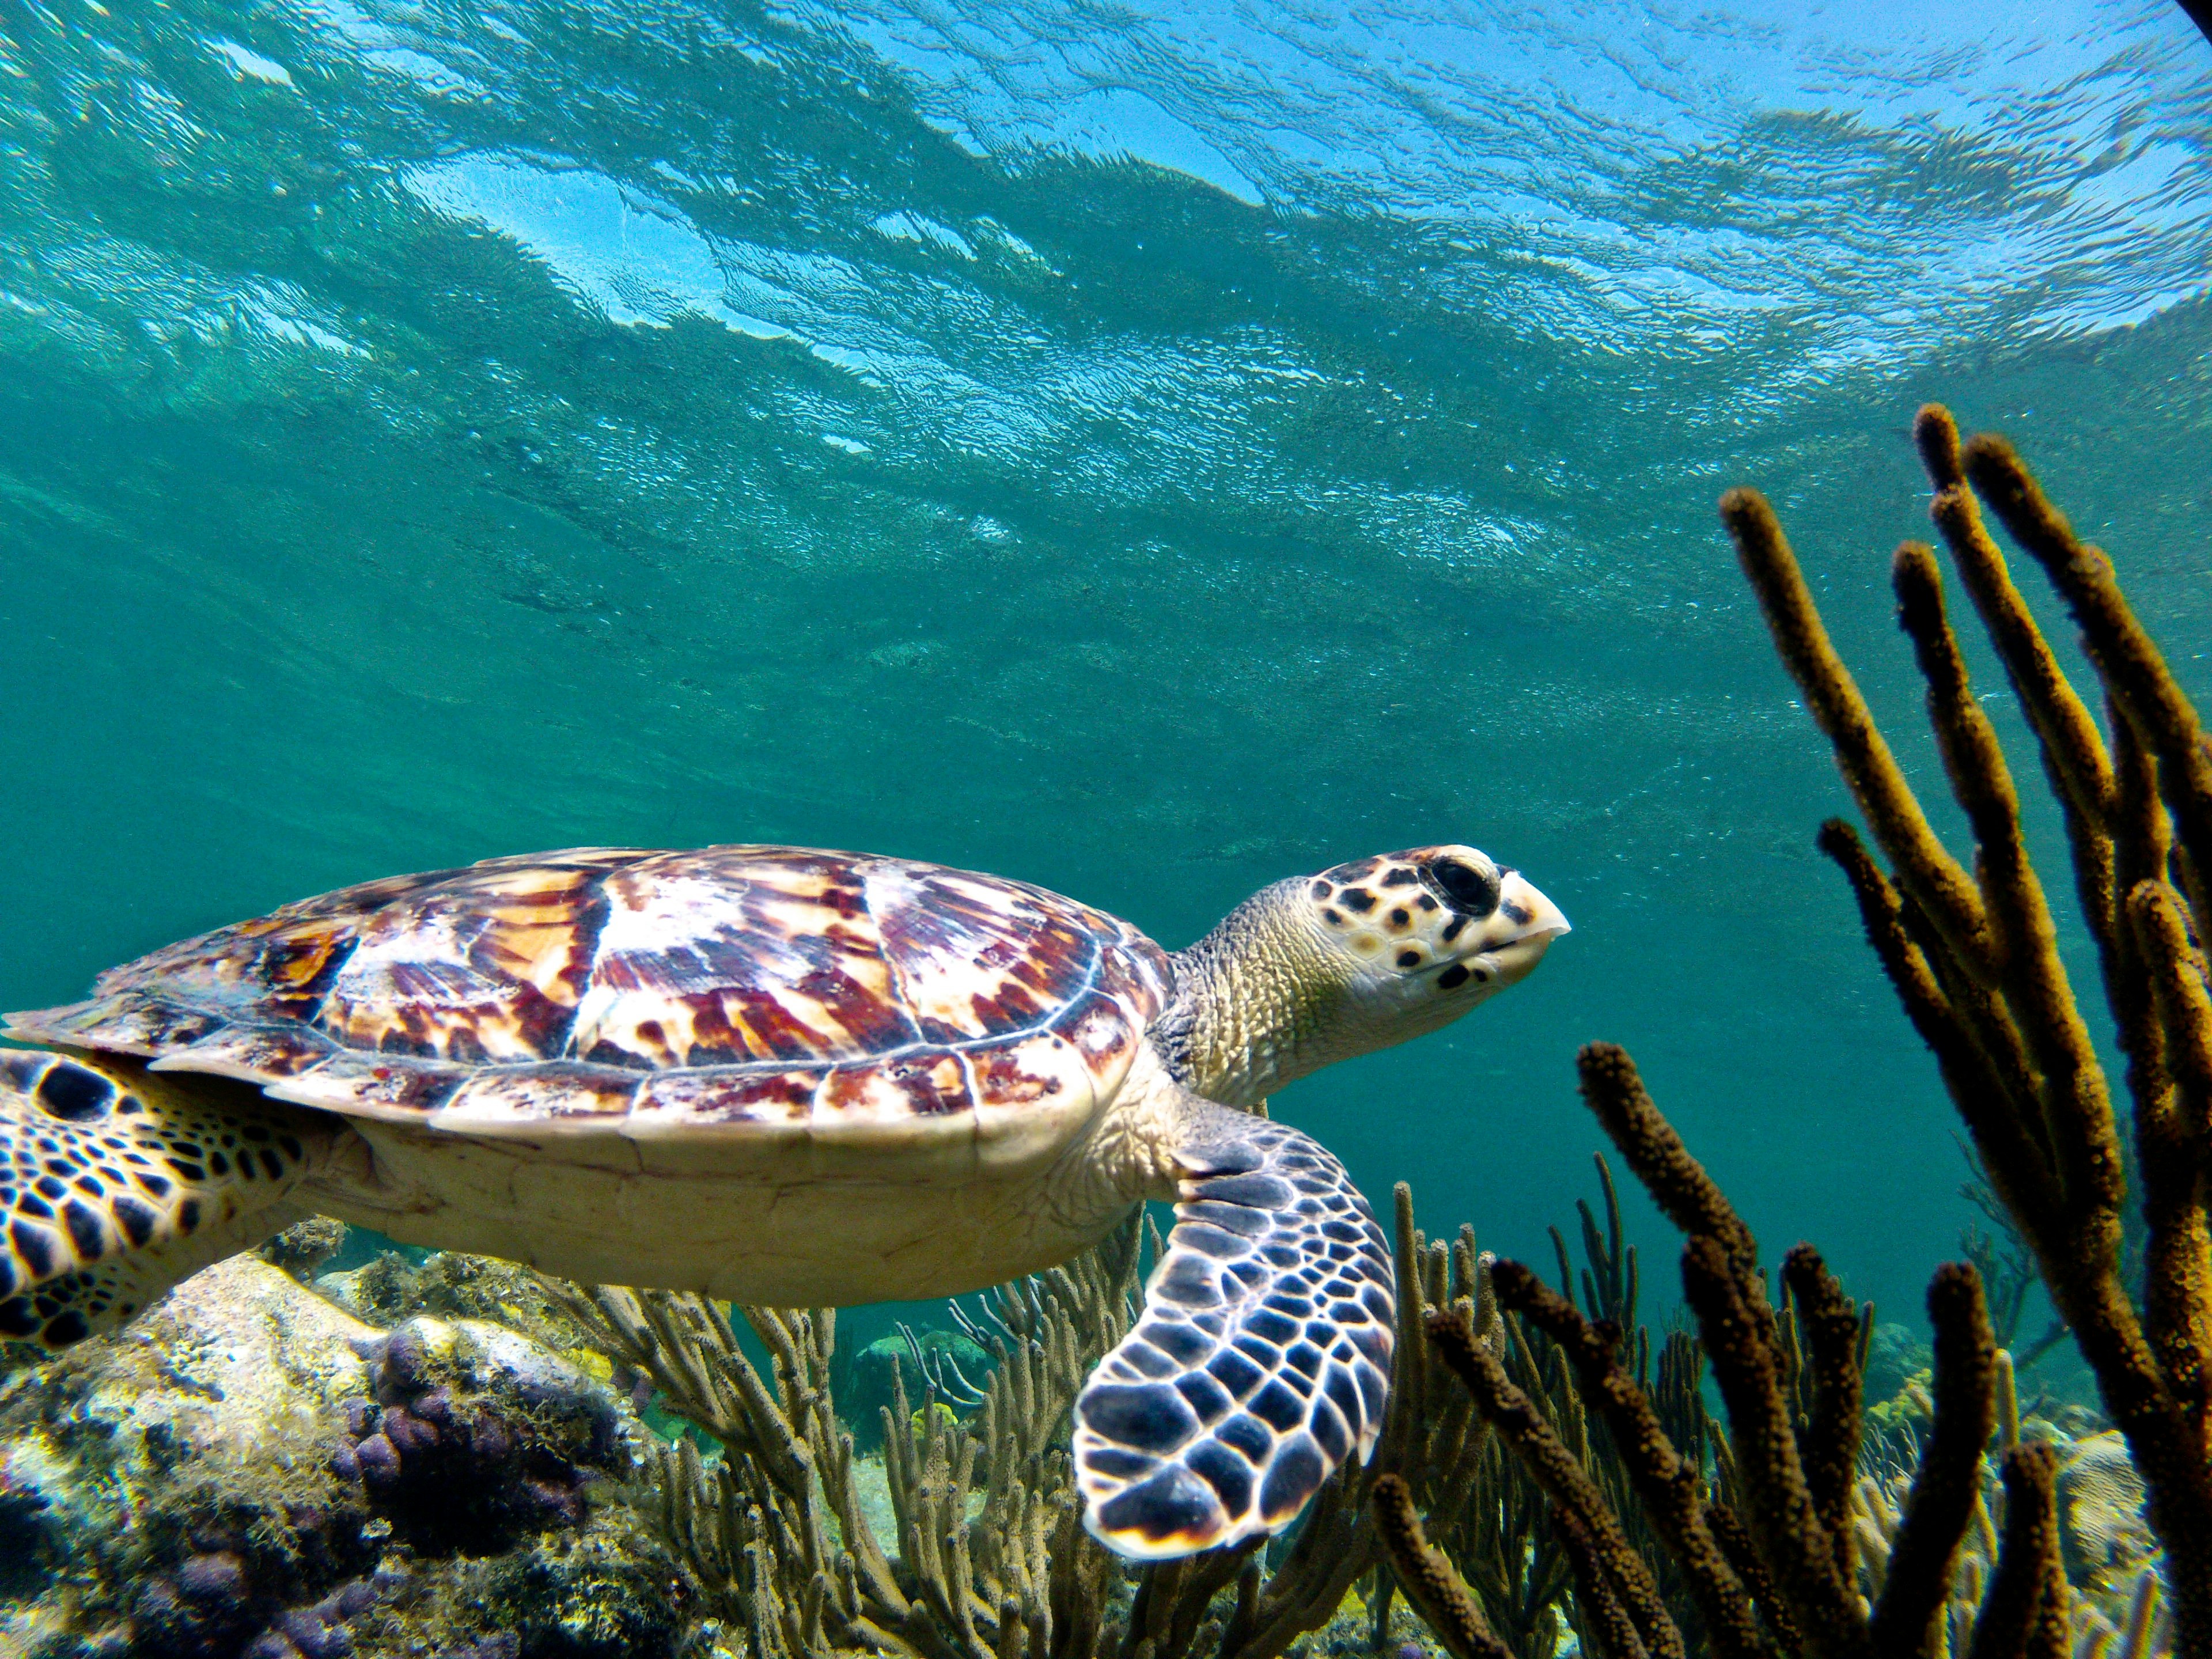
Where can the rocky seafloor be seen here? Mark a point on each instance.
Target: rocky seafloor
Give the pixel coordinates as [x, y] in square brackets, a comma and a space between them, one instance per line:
[256, 1470]
[428, 1458]
[420, 1457]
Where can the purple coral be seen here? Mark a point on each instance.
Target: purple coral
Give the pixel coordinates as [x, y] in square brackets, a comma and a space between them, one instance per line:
[405, 1366]
[409, 1435]
[212, 1577]
[378, 1462]
[461, 1470]
[211, 1607]
[199, 1610]
[356, 1598]
[318, 1631]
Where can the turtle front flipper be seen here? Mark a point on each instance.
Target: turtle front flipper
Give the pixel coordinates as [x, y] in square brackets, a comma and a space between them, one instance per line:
[115, 1183]
[1261, 1359]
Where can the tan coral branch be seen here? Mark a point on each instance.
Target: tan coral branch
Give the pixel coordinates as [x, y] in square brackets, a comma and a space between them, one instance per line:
[1507, 1409]
[1984, 1086]
[1667, 1485]
[2077, 1109]
[1677, 1181]
[1928, 871]
[2126, 656]
[1614, 1633]
[1786, 1519]
[1426, 1577]
[2068, 731]
[2019, 1065]
[1947, 1485]
[1829, 1440]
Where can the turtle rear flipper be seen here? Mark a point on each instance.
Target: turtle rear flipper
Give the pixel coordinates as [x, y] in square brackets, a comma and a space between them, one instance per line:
[1261, 1359]
[116, 1183]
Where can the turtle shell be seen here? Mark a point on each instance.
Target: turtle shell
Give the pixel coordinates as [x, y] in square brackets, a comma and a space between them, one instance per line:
[648, 994]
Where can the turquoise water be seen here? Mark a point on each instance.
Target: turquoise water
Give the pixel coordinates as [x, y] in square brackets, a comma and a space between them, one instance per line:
[1143, 452]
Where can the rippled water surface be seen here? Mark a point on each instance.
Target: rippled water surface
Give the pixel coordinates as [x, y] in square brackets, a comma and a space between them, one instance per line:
[1146, 450]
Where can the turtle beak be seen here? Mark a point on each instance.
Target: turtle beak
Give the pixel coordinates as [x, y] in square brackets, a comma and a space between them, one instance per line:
[1522, 928]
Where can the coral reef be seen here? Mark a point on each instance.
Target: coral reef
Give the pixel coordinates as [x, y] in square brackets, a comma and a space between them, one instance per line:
[965, 1538]
[2102, 1534]
[777, 1529]
[1973, 958]
[1501, 1530]
[396, 1285]
[249, 1471]
[252, 1471]
[174, 1486]
[1896, 1358]
[1567, 1524]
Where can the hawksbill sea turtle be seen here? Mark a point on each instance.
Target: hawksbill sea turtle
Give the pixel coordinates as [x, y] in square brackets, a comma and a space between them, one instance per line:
[789, 1076]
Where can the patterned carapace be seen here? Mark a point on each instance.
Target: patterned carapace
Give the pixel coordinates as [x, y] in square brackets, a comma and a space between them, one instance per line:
[727, 986]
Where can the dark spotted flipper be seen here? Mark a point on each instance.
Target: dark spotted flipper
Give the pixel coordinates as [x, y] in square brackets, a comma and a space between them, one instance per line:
[1261, 1359]
[116, 1183]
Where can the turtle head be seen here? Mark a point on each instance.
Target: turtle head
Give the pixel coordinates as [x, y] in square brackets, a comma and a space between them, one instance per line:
[1420, 936]
[1357, 958]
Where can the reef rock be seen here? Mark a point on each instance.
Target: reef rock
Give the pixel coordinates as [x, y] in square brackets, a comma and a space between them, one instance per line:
[251, 1472]
[454, 1286]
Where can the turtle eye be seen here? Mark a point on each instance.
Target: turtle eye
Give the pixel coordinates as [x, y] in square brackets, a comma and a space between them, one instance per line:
[1470, 891]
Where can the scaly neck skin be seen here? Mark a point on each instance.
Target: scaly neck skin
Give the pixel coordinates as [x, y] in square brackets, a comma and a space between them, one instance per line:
[1254, 1004]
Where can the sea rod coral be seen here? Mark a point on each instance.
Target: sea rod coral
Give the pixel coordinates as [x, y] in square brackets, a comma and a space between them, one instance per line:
[1974, 956]
[981, 1552]
[1768, 1539]
[986, 1555]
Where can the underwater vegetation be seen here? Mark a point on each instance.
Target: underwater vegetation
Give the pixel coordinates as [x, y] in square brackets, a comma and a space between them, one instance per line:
[977, 1547]
[1606, 1498]
[1780, 1543]
[974, 1546]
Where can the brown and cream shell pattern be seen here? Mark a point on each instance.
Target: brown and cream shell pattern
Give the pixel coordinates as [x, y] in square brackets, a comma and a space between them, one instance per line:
[644, 992]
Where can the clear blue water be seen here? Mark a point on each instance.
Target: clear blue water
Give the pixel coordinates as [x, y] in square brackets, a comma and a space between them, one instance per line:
[1145, 450]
